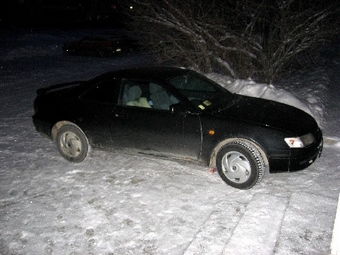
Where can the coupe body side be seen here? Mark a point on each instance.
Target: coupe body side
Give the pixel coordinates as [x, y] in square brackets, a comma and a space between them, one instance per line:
[178, 113]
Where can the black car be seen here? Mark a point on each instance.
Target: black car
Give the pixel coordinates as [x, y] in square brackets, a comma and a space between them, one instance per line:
[178, 113]
[101, 46]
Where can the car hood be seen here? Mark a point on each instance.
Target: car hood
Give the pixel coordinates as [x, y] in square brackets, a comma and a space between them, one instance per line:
[270, 114]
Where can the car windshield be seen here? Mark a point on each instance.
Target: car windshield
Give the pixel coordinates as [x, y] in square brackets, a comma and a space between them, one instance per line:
[205, 94]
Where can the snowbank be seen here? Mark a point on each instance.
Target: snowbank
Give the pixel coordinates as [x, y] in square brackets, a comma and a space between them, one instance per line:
[308, 99]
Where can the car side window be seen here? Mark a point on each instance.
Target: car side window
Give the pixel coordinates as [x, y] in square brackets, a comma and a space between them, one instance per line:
[139, 93]
[102, 92]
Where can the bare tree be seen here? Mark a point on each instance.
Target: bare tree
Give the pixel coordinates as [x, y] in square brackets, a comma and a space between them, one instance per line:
[239, 38]
[285, 29]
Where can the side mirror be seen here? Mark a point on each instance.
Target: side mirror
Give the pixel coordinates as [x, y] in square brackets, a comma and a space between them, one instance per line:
[178, 108]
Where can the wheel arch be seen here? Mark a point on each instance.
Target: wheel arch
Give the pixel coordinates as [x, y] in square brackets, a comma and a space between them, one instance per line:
[58, 125]
[213, 155]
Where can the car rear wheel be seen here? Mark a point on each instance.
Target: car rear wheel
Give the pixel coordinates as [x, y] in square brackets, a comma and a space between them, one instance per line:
[72, 143]
[240, 164]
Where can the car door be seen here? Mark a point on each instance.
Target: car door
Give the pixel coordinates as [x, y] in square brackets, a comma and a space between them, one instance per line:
[93, 108]
[142, 121]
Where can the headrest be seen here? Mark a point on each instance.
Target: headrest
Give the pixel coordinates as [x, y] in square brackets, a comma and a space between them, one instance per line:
[134, 93]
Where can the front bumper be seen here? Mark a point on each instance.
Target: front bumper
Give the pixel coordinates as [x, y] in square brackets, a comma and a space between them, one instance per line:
[300, 163]
[299, 159]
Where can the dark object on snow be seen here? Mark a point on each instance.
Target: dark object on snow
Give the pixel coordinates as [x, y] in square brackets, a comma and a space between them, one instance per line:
[100, 46]
[178, 113]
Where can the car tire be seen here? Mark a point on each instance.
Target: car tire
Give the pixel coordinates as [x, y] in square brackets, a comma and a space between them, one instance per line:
[72, 143]
[240, 164]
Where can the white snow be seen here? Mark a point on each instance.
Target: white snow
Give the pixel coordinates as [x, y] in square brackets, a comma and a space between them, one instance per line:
[116, 203]
[335, 245]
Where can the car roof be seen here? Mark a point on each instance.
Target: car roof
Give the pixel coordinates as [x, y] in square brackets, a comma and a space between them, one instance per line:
[155, 72]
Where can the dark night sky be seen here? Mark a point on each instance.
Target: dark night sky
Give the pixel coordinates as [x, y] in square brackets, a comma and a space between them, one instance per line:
[63, 13]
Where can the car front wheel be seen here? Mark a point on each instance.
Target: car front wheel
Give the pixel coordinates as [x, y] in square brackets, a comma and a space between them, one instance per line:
[72, 143]
[240, 164]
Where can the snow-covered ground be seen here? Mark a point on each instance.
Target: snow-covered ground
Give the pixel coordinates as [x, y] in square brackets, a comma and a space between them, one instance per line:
[115, 203]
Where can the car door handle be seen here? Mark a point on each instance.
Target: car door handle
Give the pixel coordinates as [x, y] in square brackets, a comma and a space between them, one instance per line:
[121, 115]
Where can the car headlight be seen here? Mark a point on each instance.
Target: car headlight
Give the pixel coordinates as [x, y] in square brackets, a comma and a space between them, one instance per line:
[300, 142]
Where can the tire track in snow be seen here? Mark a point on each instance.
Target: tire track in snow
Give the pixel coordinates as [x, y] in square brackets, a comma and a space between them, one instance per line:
[251, 235]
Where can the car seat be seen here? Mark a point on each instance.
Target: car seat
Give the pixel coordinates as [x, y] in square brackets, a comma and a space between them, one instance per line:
[134, 97]
[159, 97]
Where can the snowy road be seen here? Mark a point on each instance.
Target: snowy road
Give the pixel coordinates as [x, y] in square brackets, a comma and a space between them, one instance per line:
[126, 204]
